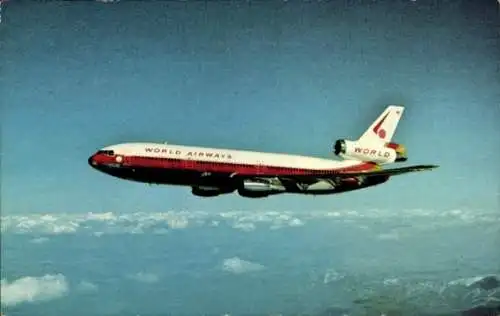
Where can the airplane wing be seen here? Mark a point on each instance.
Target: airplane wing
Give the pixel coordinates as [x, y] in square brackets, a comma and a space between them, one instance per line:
[387, 172]
[310, 178]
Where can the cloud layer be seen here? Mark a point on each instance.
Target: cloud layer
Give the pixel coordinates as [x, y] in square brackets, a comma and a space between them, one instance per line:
[162, 222]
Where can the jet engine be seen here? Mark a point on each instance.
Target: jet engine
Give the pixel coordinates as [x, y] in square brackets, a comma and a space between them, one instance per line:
[253, 194]
[401, 154]
[206, 191]
[359, 151]
[256, 189]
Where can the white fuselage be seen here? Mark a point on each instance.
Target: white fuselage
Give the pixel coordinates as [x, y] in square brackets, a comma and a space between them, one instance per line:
[228, 156]
[214, 171]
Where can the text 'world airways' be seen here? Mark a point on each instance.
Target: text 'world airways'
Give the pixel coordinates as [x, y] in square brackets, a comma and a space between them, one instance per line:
[189, 153]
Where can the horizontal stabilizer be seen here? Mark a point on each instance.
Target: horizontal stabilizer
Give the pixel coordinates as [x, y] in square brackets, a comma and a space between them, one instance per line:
[389, 172]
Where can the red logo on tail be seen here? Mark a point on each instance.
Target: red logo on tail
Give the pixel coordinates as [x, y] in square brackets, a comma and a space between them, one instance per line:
[381, 133]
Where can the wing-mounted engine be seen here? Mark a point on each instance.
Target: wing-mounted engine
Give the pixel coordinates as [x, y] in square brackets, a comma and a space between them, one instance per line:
[253, 194]
[347, 149]
[210, 191]
[258, 188]
[205, 191]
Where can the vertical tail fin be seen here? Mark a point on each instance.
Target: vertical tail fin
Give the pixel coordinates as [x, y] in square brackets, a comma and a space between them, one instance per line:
[383, 128]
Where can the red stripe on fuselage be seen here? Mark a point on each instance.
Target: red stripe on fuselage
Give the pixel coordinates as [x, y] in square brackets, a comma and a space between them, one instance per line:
[224, 167]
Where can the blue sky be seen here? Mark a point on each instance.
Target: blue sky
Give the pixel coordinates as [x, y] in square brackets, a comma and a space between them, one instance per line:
[280, 77]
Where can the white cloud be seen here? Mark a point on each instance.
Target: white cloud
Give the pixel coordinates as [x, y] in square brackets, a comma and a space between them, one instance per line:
[108, 216]
[33, 289]
[476, 280]
[145, 277]
[295, 222]
[237, 266]
[177, 223]
[392, 235]
[247, 227]
[86, 286]
[331, 275]
[39, 240]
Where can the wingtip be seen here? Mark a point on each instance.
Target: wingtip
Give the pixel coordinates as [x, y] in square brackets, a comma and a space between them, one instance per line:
[426, 167]
[430, 167]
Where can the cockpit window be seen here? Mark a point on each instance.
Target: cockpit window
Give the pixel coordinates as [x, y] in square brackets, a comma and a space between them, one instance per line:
[106, 152]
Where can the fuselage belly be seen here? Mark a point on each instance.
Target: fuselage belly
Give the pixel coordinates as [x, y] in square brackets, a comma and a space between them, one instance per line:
[201, 178]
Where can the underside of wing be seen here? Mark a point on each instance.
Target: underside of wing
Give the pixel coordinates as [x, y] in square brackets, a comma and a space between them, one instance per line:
[311, 178]
[387, 172]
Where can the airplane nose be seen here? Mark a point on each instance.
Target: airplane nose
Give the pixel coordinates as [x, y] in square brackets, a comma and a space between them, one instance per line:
[91, 161]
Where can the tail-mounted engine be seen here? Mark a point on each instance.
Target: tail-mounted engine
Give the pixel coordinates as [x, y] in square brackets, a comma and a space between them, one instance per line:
[401, 154]
[388, 153]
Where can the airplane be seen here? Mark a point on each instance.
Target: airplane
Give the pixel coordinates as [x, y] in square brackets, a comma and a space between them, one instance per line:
[212, 172]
